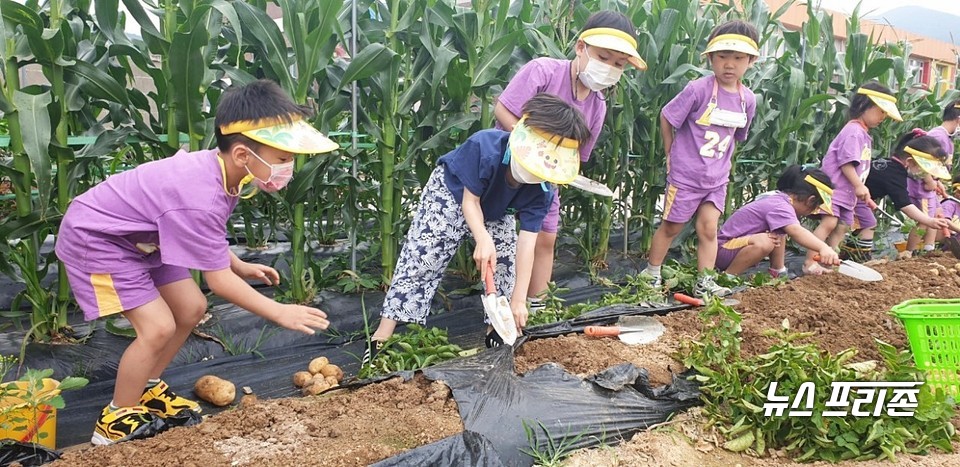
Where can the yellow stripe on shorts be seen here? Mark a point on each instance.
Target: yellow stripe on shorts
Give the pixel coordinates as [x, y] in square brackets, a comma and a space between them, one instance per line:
[108, 302]
[668, 202]
[736, 243]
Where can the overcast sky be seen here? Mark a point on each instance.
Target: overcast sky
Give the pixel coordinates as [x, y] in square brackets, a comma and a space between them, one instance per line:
[869, 7]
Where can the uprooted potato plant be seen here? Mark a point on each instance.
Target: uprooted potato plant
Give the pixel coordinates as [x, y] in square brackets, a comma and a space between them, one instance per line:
[734, 390]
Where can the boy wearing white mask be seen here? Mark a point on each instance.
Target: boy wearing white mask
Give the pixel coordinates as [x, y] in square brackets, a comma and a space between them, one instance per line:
[128, 245]
[700, 128]
[482, 188]
[606, 46]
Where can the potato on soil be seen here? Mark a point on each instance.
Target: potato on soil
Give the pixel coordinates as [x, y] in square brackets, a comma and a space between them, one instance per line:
[301, 378]
[331, 380]
[214, 390]
[316, 387]
[317, 363]
[332, 370]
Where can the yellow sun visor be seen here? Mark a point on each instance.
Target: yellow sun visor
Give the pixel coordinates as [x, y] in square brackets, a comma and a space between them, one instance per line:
[826, 193]
[733, 43]
[929, 163]
[296, 135]
[616, 40]
[549, 157]
[886, 102]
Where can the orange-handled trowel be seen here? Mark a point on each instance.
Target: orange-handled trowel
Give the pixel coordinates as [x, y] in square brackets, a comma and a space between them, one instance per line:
[498, 311]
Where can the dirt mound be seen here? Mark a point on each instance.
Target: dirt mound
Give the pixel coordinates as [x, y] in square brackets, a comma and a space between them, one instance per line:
[350, 428]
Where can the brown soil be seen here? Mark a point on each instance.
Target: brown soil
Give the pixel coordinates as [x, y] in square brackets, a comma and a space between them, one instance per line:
[343, 428]
[381, 420]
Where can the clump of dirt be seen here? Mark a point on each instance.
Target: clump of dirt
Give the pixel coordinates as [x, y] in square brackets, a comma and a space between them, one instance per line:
[344, 428]
[584, 356]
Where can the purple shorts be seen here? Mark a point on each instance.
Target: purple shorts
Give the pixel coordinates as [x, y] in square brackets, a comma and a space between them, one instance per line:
[104, 294]
[727, 250]
[551, 222]
[844, 214]
[863, 217]
[682, 203]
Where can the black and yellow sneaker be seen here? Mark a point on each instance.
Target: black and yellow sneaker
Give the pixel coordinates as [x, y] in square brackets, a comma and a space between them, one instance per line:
[173, 409]
[161, 401]
[124, 424]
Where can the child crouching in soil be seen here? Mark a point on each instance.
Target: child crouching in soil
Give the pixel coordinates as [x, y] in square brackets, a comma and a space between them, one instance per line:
[475, 189]
[759, 228]
[128, 245]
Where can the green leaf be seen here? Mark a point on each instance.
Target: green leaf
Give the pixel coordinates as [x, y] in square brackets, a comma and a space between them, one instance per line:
[493, 58]
[96, 83]
[35, 129]
[135, 7]
[370, 60]
[263, 32]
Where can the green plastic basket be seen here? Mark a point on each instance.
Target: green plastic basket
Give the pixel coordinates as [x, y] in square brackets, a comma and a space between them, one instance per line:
[933, 329]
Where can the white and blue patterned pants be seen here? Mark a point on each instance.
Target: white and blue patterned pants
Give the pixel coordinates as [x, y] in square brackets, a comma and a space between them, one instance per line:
[434, 237]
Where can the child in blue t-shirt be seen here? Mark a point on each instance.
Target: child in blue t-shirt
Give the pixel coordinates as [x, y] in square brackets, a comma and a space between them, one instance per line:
[482, 188]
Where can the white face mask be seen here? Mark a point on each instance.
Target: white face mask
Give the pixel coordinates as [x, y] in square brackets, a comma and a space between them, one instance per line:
[956, 131]
[598, 76]
[521, 174]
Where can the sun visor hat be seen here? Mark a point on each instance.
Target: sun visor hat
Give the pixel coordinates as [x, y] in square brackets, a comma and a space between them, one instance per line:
[826, 193]
[548, 157]
[614, 39]
[886, 102]
[733, 43]
[296, 135]
[929, 163]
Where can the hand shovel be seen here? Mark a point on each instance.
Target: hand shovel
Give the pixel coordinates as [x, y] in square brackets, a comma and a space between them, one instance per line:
[873, 207]
[699, 302]
[591, 186]
[498, 311]
[632, 330]
[856, 270]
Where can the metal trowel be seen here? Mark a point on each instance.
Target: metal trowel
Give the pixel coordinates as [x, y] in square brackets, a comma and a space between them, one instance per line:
[856, 270]
[632, 330]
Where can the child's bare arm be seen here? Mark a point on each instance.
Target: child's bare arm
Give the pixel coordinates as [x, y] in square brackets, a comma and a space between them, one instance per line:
[485, 253]
[526, 243]
[666, 133]
[505, 117]
[226, 284]
[859, 189]
[808, 240]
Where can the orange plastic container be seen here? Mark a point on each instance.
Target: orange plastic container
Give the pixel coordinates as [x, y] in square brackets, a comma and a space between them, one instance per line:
[24, 423]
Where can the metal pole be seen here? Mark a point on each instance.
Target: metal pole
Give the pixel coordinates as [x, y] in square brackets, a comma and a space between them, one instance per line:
[353, 125]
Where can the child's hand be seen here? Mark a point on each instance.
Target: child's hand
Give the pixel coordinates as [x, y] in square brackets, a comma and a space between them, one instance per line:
[777, 239]
[941, 191]
[520, 314]
[260, 272]
[862, 193]
[936, 223]
[302, 318]
[485, 254]
[829, 256]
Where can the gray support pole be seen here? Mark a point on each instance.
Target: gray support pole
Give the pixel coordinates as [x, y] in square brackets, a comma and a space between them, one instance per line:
[353, 123]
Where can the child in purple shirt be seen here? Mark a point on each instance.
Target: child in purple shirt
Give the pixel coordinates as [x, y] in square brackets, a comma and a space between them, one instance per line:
[700, 127]
[847, 163]
[128, 245]
[948, 130]
[922, 190]
[759, 228]
[606, 46]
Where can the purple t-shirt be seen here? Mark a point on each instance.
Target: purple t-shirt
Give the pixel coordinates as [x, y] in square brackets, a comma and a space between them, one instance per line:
[700, 157]
[177, 204]
[771, 213]
[552, 76]
[852, 145]
[916, 190]
[951, 210]
[942, 137]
